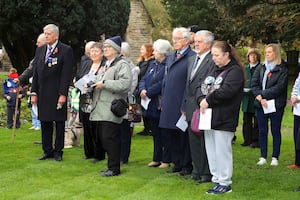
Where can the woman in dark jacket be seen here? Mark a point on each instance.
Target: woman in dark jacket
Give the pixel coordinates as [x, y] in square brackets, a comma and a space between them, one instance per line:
[150, 86]
[250, 127]
[92, 148]
[222, 91]
[145, 58]
[270, 82]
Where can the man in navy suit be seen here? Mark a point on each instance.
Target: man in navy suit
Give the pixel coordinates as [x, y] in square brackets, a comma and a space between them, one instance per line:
[173, 88]
[51, 78]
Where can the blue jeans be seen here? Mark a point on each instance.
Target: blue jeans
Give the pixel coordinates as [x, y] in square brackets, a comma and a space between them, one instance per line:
[275, 119]
[35, 121]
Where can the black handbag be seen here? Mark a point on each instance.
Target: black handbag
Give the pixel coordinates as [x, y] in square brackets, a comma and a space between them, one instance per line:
[119, 107]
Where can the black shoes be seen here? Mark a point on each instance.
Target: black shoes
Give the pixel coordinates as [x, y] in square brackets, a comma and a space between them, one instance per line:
[297, 189]
[254, 145]
[173, 170]
[204, 179]
[192, 178]
[233, 140]
[245, 144]
[58, 158]
[95, 161]
[45, 156]
[109, 173]
[144, 133]
[184, 172]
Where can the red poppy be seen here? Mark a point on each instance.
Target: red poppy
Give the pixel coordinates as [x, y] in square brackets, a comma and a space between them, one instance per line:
[55, 51]
[269, 74]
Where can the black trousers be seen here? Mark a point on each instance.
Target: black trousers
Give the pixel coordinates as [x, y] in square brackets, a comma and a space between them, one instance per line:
[10, 111]
[125, 137]
[108, 133]
[178, 142]
[157, 140]
[250, 128]
[297, 139]
[198, 154]
[47, 137]
[91, 150]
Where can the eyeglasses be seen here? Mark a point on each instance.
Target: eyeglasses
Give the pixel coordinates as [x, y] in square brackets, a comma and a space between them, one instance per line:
[177, 38]
[107, 46]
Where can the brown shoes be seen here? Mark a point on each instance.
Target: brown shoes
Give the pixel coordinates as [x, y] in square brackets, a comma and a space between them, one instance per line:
[164, 165]
[293, 166]
[154, 164]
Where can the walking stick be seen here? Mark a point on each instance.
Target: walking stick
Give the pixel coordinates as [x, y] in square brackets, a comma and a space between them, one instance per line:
[15, 116]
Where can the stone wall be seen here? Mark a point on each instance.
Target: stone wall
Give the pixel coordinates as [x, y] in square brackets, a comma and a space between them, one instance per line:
[140, 28]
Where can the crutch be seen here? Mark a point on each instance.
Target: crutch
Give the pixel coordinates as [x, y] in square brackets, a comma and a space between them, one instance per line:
[15, 116]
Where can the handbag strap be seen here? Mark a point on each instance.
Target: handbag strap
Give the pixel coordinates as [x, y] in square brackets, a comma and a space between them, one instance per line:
[133, 99]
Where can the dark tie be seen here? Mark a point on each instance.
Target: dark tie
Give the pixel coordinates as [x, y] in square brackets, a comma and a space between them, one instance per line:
[194, 69]
[48, 53]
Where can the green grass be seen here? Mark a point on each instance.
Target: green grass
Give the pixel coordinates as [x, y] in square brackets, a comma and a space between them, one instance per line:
[24, 177]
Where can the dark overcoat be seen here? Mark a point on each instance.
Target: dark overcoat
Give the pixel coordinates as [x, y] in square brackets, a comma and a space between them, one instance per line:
[52, 80]
[173, 88]
[152, 83]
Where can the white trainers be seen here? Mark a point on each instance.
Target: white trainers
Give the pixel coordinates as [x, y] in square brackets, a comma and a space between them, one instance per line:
[33, 127]
[274, 161]
[37, 128]
[262, 161]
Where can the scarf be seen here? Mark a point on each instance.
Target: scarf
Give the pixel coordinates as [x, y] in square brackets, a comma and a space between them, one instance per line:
[269, 67]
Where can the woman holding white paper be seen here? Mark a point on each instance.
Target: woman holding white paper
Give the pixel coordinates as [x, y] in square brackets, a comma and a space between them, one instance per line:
[222, 91]
[150, 88]
[270, 82]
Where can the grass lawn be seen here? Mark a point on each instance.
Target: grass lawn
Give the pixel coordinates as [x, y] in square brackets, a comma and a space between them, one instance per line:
[24, 177]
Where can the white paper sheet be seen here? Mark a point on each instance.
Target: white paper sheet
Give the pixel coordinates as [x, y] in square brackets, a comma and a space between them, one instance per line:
[271, 107]
[81, 83]
[182, 123]
[296, 109]
[145, 102]
[205, 119]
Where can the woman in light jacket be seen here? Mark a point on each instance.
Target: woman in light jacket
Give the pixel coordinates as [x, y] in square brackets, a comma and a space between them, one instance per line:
[113, 82]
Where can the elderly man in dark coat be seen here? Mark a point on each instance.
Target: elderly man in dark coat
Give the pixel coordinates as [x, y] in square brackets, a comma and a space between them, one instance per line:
[173, 89]
[52, 75]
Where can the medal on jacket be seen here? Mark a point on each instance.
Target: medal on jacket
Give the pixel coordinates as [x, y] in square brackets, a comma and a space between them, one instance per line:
[49, 61]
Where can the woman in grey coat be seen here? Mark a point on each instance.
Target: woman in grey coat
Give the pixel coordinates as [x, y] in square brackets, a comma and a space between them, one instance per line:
[113, 82]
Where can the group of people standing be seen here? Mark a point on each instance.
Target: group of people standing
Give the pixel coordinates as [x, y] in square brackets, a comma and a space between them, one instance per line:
[201, 73]
[178, 83]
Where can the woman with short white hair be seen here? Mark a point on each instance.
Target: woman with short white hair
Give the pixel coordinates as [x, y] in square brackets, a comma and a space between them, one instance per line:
[150, 87]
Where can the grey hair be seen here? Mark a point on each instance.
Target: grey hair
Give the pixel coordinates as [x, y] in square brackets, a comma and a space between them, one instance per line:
[53, 27]
[208, 36]
[125, 49]
[97, 45]
[162, 46]
[185, 32]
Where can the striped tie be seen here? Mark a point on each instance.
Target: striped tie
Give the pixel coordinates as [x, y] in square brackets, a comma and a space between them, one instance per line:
[48, 54]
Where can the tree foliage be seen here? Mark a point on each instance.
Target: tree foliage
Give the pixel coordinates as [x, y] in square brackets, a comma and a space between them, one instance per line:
[79, 21]
[190, 12]
[237, 20]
